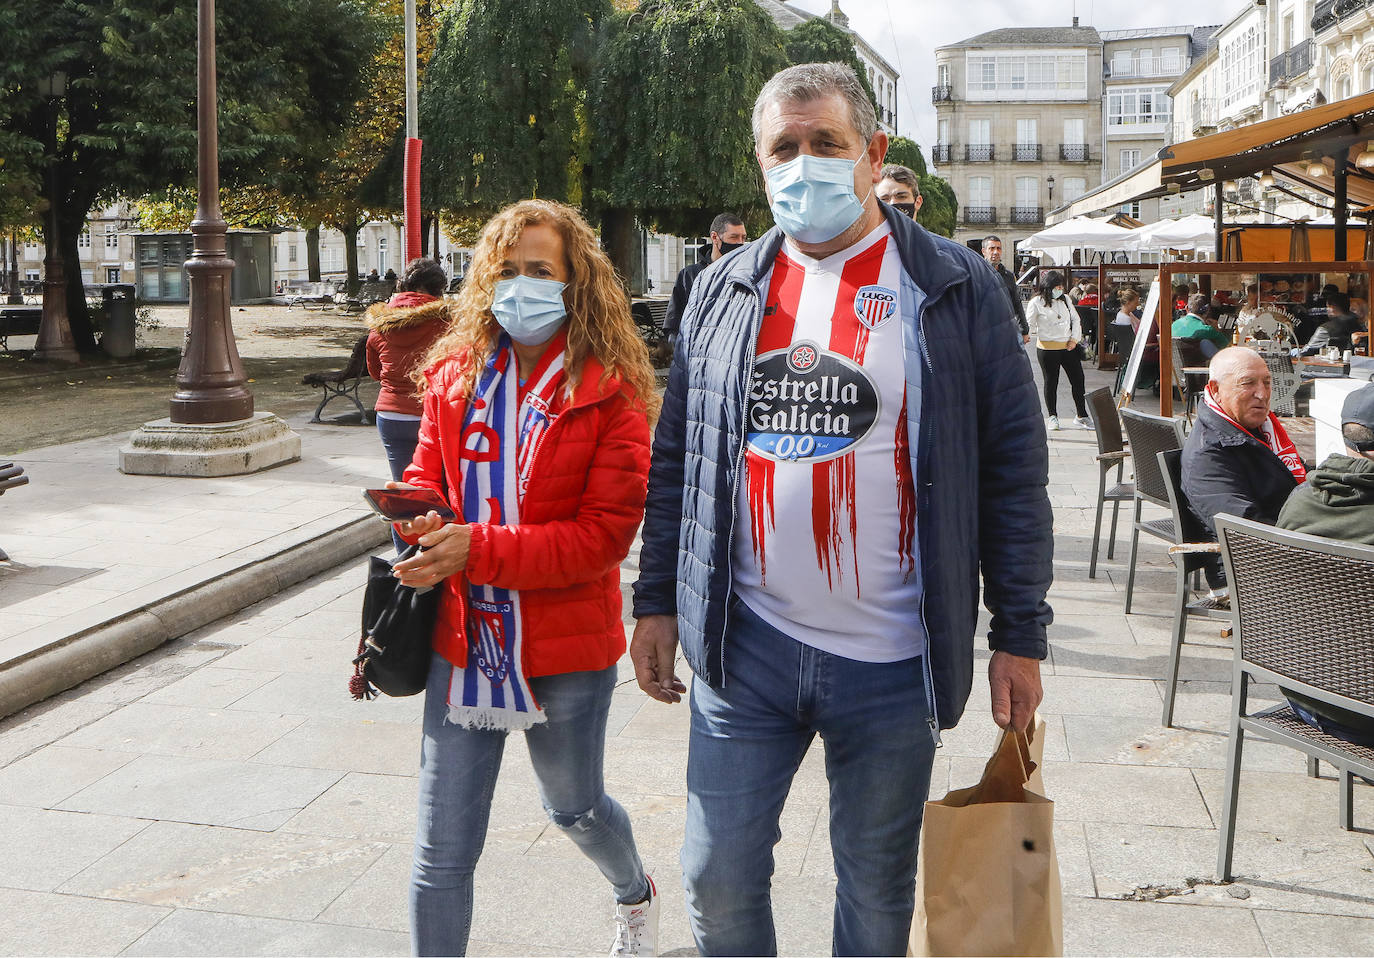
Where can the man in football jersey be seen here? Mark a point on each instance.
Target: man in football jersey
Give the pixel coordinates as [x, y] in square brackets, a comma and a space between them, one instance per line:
[850, 438]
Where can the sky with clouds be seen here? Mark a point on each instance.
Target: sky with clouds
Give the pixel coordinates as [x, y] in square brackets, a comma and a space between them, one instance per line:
[906, 33]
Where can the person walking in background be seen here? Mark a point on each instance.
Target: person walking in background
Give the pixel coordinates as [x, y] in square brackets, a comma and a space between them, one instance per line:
[1058, 333]
[401, 332]
[727, 235]
[992, 253]
[536, 432]
[898, 187]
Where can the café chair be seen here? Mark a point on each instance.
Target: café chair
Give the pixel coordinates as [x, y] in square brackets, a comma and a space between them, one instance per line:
[1189, 552]
[1148, 436]
[1300, 618]
[1111, 454]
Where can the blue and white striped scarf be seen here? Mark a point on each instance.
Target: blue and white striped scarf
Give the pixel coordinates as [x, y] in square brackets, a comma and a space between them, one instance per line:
[492, 692]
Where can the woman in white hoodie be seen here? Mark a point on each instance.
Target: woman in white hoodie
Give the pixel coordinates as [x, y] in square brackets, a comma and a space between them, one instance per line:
[1055, 325]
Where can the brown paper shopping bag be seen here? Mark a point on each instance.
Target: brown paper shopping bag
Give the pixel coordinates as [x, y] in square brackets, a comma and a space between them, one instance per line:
[988, 878]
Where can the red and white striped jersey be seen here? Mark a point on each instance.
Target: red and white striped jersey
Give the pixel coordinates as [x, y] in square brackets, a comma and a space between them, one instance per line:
[825, 539]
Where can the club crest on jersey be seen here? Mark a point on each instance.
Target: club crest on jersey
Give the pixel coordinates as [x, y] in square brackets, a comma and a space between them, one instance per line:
[874, 304]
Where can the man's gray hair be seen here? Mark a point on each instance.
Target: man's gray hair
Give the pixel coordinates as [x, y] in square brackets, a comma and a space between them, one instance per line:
[991, 238]
[724, 220]
[812, 81]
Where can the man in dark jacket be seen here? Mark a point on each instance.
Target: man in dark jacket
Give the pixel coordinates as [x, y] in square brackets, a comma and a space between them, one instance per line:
[1342, 328]
[992, 252]
[727, 235]
[850, 438]
[1337, 502]
[1238, 459]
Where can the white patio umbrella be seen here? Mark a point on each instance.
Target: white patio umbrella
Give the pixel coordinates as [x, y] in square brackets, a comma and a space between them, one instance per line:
[1059, 241]
[1186, 233]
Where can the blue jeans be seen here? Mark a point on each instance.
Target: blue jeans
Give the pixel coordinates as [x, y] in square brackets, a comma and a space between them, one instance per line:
[747, 741]
[458, 768]
[399, 439]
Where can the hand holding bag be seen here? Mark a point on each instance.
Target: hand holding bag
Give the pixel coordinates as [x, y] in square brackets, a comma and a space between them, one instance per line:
[988, 876]
[398, 621]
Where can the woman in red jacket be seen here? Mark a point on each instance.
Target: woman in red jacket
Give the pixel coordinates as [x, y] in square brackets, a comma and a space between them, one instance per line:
[536, 432]
[402, 333]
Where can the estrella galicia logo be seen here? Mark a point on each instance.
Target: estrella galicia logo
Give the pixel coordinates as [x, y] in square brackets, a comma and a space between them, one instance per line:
[807, 403]
[874, 304]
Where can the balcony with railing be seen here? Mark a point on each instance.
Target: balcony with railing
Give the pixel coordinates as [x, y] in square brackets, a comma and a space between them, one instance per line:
[1027, 215]
[939, 153]
[980, 215]
[1329, 12]
[1150, 65]
[1202, 116]
[1292, 63]
[978, 152]
[943, 93]
[1074, 152]
[1025, 152]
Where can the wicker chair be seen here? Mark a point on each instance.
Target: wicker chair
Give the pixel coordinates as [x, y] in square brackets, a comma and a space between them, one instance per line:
[1111, 454]
[1189, 552]
[1300, 617]
[1148, 436]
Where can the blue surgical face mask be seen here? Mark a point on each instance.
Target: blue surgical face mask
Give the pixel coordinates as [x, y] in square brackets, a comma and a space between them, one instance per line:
[813, 197]
[530, 309]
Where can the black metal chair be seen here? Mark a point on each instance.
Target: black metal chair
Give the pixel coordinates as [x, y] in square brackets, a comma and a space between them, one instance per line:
[342, 382]
[1111, 454]
[1189, 552]
[11, 477]
[1300, 613]
[1120, 339]
[1148, 436]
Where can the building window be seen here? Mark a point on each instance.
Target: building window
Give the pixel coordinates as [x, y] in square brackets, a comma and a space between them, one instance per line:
[84, 240]
[1134, 106]
[980, 191]
[943, 134]
[1026, 132]
[111, 238]
[942, 74]
[1241, 66]
[1170, 61]
[291, 253]
[111, 274]
[1368, 79]
[383, 255]
[32, 276]
[1130, 159]
[1074, 187]
[1344, 88]
[1018, 76]
[1131, 209]
[980, 132]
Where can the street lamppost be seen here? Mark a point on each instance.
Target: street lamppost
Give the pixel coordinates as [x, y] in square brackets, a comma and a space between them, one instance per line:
[212, 430]
[1049, 181]
[54, 332]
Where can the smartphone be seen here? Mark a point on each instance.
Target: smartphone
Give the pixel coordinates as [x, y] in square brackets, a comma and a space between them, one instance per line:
[402, 505]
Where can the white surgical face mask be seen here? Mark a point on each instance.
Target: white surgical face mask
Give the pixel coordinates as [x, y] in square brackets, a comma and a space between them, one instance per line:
[1058, 294]
[813, 198]
[530, 309]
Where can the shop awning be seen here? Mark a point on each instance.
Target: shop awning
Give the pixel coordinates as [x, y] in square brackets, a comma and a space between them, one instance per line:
[1337, 130]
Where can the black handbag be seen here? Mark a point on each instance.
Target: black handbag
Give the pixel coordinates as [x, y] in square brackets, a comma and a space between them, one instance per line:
[398, 621]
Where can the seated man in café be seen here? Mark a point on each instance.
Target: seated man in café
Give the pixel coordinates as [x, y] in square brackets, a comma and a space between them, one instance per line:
[1196, 324]
[1337, 502]
[1238, 459]
[1342, 328]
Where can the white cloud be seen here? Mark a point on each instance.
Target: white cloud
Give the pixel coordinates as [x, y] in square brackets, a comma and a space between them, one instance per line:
[906, 33]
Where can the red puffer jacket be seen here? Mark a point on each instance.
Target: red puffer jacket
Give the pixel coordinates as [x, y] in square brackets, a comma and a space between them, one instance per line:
[581, 509]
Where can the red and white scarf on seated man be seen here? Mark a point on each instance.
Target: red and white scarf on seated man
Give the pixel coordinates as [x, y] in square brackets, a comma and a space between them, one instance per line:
[1272, 432]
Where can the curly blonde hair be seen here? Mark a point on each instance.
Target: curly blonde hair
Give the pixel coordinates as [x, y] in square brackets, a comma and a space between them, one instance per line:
[599, 321]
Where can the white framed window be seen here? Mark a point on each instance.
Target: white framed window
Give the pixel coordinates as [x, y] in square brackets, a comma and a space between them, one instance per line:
[1170, 61]
[1130, 159]
[942, 136]
[111, 274]
[1138, 106]
[383, 254]
[1288, 30]
[32, 275]
[1021, 76]
[979, 191]
[1121, 63]
[1368, 77]
[84, 240]
[291, 253]
[1344, 89]
[1027, 191]
[942, 74]
[111, 238]
[1074, 187]
[1242, 66]
[979, 132]
[1026, 132]
[1073, 132]
[32, 245]
[1131, 209]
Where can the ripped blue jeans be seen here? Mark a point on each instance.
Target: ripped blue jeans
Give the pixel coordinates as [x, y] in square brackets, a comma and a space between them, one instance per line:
[458, 769]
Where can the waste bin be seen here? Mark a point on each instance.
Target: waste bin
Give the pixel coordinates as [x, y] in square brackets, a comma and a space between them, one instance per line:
[118, 337]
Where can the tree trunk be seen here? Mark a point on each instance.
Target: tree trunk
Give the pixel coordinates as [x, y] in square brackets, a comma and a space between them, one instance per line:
[78, 315]
[620, 237]
[425, 220]
[16, 297]
[435, 245]
[350, 238]
[312, 253]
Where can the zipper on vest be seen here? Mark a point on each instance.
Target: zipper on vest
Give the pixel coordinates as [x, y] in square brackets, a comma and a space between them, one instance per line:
[923, 449]
[751, 350]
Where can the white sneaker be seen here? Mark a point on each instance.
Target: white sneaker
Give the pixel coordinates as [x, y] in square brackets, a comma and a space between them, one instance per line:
[1052, 423]
[1084, 421]
[636, 926]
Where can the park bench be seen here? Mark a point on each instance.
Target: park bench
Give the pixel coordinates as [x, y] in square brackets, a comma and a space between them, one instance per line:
[342, 382]
[18, 321]
[312, 296]
[10, 477]
[368, 294]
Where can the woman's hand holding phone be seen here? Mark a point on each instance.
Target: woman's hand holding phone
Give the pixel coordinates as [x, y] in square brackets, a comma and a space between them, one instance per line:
[446, 548]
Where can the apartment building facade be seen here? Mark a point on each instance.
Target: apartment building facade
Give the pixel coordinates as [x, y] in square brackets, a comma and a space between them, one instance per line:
[1018, 125]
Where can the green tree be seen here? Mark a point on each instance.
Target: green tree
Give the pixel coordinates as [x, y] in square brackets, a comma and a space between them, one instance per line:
[820, 41]
[290, 72]
[907, 153]
[940, 209]
[502, 110]
[672, 141]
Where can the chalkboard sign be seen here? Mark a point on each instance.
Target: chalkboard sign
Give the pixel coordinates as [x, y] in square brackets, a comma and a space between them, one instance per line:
[1142, 336]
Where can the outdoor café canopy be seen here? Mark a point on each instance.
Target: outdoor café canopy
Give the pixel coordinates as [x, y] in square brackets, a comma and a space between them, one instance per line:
[1336, 130]
[1188, 232]
[1059, 241]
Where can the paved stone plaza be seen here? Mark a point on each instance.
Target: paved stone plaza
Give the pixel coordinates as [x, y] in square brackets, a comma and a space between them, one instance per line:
[224, 795]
